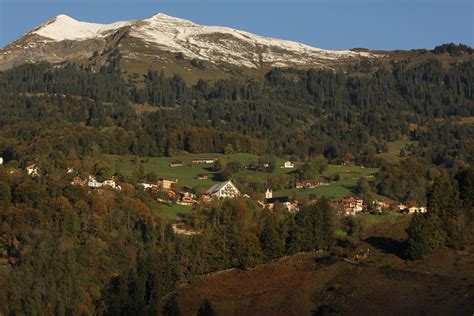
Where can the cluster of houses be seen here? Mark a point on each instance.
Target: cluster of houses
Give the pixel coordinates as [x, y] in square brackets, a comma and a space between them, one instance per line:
[308, 184]
[223, 190]
[92, 183]
[351, 206]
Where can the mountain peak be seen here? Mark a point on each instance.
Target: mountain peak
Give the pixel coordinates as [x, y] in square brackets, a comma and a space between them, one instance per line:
[148, 38]
[63, 17]
[63, 27]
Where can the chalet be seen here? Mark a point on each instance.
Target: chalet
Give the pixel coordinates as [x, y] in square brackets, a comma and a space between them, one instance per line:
[112, 184]
[381, 205]
[186, 190]
[288, 165]
[204, 160]
[224, 190]
[186, 198]
[252, 165]
[416, 209]
[171, 194]
[33, 170]
[93, 183]
[307, 184]
[352, 206]
[206, 198]
[167, 184]
[78, 181]
[147, 186]
[402, 208]
[176, 163]
[202, 176]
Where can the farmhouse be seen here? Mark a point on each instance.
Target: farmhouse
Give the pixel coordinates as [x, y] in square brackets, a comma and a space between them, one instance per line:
[416, 209]
[307, 184]
[288, 165]
[206, 197]
[402, 208]
[33, 170]
[111, 183]
[167, 184]
[204, 160]
[93, 183]
[147, 186]
[78, 181]
[224, 190]
[381, 205]
[252, 165]
[176, 163]
[202, 176]
[186, 198]
[352, 206]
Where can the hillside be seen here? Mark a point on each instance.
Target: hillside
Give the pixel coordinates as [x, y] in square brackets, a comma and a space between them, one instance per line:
[309, 284]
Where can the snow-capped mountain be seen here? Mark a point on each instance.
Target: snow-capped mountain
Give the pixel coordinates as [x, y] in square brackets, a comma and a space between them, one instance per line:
[158, 37]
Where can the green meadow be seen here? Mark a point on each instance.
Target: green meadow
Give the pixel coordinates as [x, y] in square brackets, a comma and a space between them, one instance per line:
[187, 174]
[393, 153]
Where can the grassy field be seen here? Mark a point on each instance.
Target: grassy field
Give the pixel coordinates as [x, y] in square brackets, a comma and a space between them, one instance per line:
[349, 174]
[174, 210]
[187, 174]
[373, 219]
[393, 153]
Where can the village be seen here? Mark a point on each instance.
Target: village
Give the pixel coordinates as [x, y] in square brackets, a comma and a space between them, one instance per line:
[169, 191]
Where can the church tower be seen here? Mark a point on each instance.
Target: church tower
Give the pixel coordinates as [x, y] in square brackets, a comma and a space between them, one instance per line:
[268, 194]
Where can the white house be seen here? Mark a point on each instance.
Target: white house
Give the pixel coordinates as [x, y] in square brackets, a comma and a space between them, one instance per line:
[111, 183]
[288, 165]
[224, 190]
[93, 183]
[415, 209]
[147, 186]
[33, 170]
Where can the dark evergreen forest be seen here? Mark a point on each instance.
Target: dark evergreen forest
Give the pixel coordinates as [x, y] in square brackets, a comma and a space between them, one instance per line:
[291, 113]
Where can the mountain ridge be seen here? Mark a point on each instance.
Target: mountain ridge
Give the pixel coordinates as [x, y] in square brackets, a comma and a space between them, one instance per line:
[163, 33]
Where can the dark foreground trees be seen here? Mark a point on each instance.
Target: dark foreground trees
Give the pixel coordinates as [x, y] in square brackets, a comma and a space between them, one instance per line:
[450, 220]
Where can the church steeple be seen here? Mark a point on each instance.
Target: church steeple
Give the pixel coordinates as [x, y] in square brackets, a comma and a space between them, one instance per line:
[268, 194]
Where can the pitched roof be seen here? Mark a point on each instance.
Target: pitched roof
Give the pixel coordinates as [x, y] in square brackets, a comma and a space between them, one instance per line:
[216, 187]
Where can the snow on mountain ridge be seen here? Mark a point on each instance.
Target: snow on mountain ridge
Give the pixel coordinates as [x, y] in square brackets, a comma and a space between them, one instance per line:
[211, 43]
[63, 27]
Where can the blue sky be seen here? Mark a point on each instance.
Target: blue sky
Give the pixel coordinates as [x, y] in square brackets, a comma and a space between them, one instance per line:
[329, 24]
